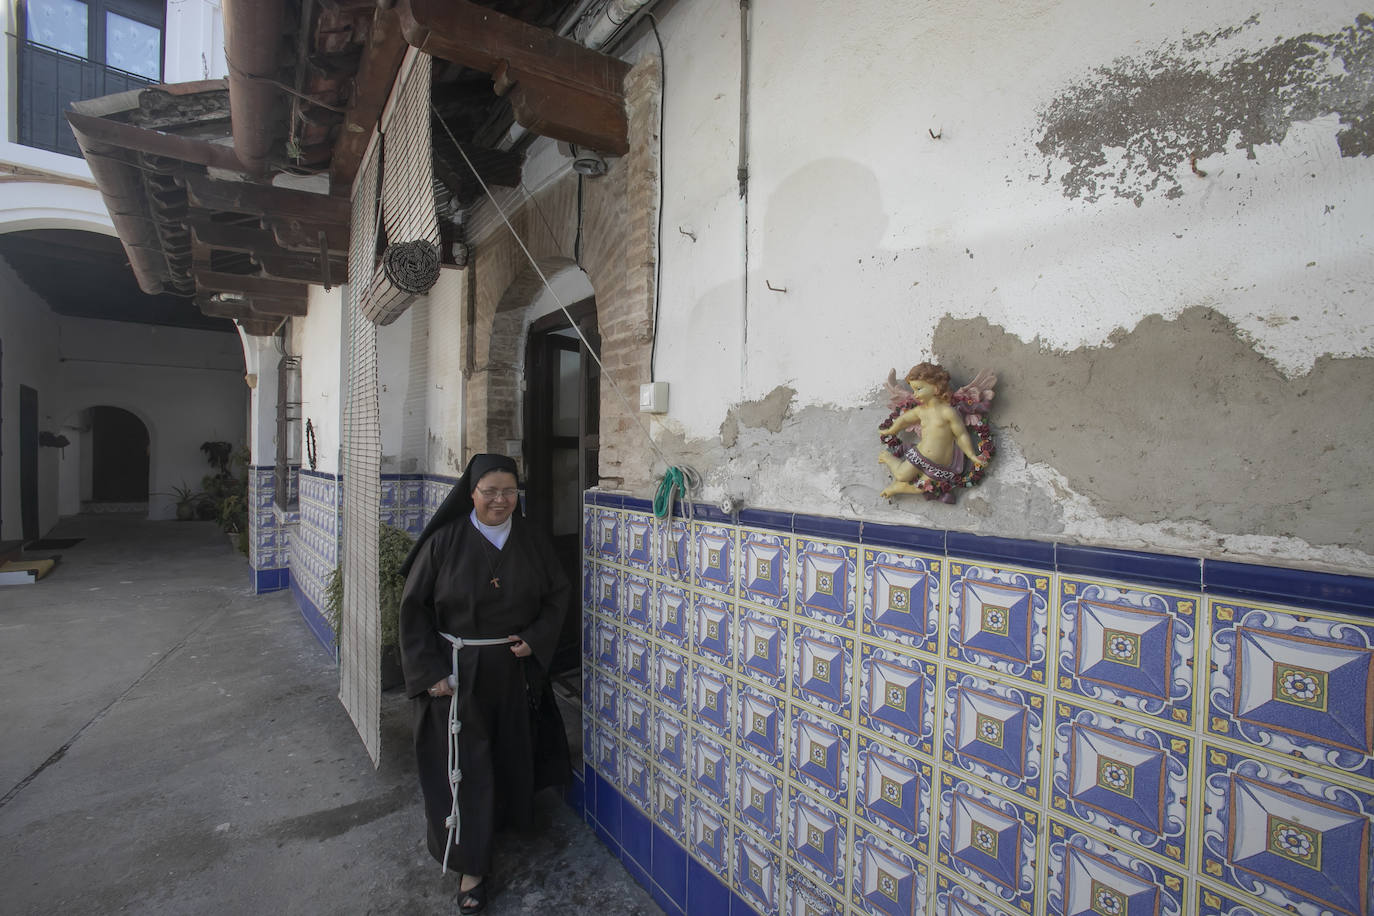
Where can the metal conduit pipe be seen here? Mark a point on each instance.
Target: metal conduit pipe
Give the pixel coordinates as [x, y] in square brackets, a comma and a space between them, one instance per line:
[614, 15]
[252, 47]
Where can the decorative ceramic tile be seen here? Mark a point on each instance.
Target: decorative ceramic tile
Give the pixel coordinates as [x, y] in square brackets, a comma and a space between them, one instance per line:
[639, 542]
[827, 577]
[670, 744]
[956, 900]
[711, 767]
[989, 840]
[607, 755]
[607, 591]
[758, 875]
[893, 792]
[1123, 777]
[713, 620]
[821, 666]
[998, 618]
[1215, 903]
[670, 679]
[804, 897]
[994, 730]
[762, 648]
[711, 840]
[670, 807]
[606, 699]
[1092, 877]
[674, 561]
[639, 602]
[760, 727]
[590, 576]
[897, 697]
[887, 880]
[1294, 685]
[818, 755]
[715, 554]
[1128, 646]
[764, 568]
[673, 615]
[635, 777]
[1296, 841]
[711, 704]
[608, 535]
[817, 839]
[902, 598]
[605, 645]
[635, 658]
[758, 800]
[637, 722]
[589, 515]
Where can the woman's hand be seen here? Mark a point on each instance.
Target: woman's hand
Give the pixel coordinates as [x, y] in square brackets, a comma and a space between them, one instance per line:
[518, 647]
[441, 689]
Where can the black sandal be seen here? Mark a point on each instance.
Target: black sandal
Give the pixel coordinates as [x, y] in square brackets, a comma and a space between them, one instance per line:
[477, 894]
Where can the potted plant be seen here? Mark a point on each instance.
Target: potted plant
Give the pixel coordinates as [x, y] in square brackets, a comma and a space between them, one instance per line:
[186, 501]
[393, 545]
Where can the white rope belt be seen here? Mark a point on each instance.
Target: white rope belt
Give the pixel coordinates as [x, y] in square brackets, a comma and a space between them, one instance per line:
[455, 775]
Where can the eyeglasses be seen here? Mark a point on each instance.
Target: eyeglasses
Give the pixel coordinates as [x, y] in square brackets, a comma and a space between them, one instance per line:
[493, 493]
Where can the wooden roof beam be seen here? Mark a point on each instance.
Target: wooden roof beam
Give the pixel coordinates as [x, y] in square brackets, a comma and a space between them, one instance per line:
[265, 200]
[248, 285]
[381, 61]
[557, 87]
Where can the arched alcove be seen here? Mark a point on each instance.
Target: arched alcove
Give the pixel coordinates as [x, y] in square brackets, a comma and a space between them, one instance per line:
[115, 457]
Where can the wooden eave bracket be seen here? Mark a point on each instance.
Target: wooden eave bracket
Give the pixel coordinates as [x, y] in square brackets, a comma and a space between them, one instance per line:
[557, 87]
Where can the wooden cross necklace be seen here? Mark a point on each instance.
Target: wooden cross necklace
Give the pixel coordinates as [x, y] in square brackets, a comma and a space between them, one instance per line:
[491, 567]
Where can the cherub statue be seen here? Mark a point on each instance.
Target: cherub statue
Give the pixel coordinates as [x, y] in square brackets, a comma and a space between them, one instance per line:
[948, 429]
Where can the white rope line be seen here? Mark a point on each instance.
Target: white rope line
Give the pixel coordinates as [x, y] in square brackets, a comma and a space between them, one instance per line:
[454, 821]
[634, 414]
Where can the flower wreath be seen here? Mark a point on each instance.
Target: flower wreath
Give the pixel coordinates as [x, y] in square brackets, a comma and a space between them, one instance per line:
[971, 476]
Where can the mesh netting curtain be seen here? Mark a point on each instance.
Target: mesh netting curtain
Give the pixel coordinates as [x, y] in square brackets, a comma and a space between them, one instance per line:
[360, 623]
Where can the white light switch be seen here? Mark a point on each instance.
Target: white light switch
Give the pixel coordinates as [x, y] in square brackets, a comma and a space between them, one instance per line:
[653, 397]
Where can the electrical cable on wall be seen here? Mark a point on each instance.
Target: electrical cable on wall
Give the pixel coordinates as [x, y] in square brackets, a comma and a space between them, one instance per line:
[658, 235]
[683, 474]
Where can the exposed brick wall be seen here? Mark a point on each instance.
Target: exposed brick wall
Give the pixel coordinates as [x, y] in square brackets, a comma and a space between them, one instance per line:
[619, 225]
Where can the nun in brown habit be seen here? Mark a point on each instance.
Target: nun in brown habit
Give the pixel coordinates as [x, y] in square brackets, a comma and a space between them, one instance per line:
[480, 575]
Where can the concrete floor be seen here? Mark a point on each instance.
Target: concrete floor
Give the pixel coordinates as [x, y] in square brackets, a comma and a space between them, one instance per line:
[174, 744]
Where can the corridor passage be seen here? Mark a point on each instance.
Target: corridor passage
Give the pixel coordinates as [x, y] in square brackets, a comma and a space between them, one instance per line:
[174, 744]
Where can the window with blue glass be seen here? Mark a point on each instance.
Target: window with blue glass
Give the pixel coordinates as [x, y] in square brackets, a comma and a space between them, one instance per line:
[70, 50]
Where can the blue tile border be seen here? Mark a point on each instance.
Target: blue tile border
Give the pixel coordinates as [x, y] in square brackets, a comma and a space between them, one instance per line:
[1156, 568]
[840, 529]
[313, 618]
[999, 549]
[270, 580]
[925, 540]
[766, 518]
[1281, 585]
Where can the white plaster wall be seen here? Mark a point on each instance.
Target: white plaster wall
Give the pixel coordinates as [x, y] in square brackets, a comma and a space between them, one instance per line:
[862, 230]
[401, 376]
[856, 211]
[185, 385]
[195, 41]
[28, 356]
[320, 340]
[443, 416]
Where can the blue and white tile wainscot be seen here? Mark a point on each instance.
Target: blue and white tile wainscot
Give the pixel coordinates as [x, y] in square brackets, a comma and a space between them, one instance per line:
[825, 716]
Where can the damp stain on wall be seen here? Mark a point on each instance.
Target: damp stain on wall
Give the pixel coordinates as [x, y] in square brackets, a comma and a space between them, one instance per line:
[1182, 420]
[1136, 127]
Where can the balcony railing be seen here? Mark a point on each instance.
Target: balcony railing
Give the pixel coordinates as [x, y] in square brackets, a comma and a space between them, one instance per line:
[49, 81]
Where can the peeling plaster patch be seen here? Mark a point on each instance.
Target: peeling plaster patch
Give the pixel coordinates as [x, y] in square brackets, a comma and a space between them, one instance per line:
[1127, 129]
[767, 413]
[1181, 424]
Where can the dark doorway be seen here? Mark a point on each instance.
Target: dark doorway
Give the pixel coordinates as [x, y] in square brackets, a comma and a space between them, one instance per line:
[119, 456]
[28, 462]
[562, 420]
